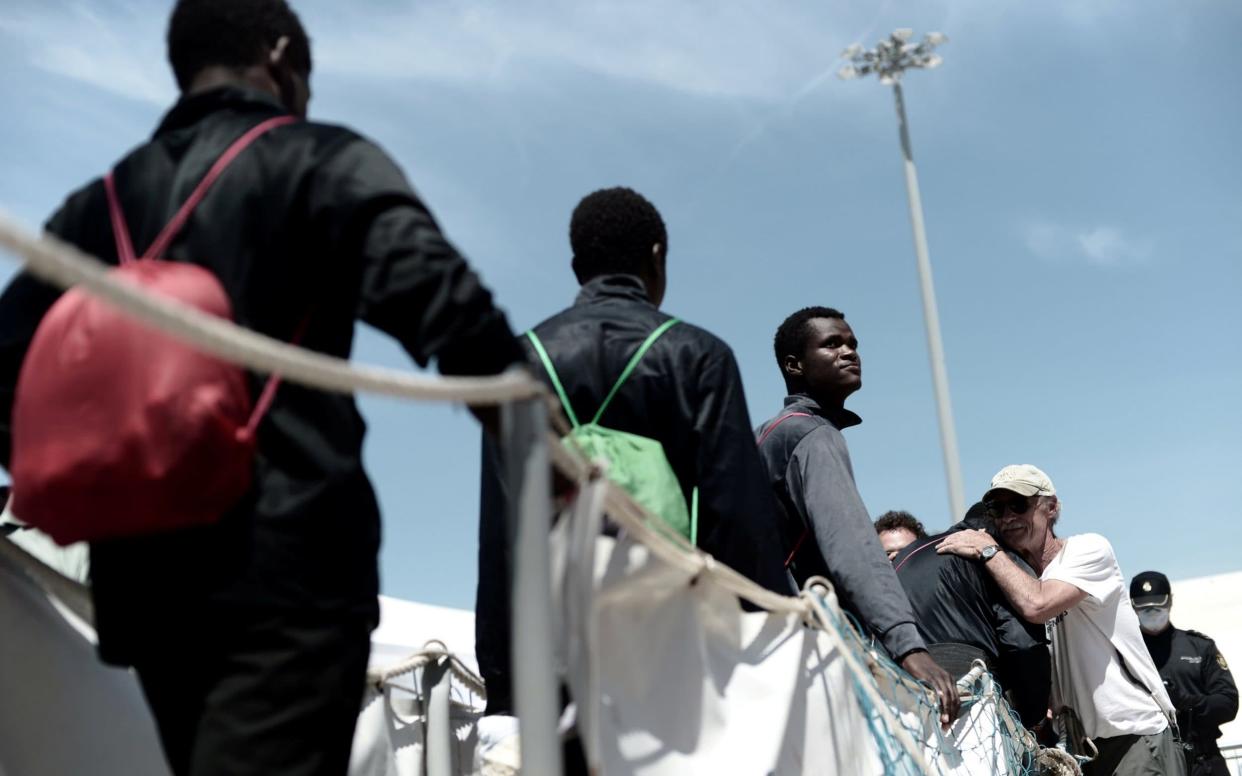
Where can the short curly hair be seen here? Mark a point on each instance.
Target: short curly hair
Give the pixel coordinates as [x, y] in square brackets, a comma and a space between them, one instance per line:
[232, 33]
[791, 336]
[612, 231]
[893, 520]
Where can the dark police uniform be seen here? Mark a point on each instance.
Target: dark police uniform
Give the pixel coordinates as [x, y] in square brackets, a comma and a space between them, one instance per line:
[1196, 676]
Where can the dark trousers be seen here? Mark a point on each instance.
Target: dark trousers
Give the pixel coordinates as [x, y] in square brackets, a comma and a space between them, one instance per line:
[1207, 764]
[274, 694]
[1154, 755]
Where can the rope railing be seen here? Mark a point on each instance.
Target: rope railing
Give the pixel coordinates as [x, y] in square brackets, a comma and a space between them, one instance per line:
[65, 266]
[817, 591]
[431, 652]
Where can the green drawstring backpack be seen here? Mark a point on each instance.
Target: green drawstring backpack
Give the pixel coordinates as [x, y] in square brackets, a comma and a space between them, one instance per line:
[635, 463]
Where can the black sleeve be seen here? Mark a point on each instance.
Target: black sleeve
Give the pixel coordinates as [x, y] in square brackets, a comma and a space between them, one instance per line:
[737, 519]
[1025, 669]
[22, 307]
[1025, 666]
[415, 286]
[822, 488]
[1219, 702]
[492, 605]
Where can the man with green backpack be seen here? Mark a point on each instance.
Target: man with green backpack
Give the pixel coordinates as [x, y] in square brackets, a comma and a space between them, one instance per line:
[658, 398]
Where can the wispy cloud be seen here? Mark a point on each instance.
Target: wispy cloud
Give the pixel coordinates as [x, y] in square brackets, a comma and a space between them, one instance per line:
[121, 53]
[1101, 245]
[749, 49]
[745, 48]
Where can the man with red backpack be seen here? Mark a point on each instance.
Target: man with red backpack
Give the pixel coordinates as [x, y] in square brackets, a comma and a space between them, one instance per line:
[250, 636]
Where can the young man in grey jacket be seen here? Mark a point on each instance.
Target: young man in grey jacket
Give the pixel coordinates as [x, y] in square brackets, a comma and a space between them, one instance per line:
[824, 527]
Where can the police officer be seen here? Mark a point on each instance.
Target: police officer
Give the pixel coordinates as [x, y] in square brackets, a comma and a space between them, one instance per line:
[1194, 672]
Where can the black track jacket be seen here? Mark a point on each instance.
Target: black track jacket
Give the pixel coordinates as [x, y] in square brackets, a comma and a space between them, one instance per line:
[955, 600]
[310, 221]
[687, 394]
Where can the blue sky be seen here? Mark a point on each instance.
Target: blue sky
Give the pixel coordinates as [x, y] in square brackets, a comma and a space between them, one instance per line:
[1079, 166]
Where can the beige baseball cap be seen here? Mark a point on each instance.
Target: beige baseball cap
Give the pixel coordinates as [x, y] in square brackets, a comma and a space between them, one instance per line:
[1023, 479]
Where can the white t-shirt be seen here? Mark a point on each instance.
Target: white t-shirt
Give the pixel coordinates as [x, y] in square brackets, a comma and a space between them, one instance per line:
[1088, 677]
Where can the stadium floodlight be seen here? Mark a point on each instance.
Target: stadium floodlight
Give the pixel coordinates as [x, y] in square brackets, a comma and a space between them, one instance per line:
[889, 60]
[895, 54]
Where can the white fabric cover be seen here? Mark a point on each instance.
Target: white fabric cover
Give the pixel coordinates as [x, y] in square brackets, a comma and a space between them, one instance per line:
[670, 677]
[391, 736]
[407, 626]
[683, 682]
[62, 712]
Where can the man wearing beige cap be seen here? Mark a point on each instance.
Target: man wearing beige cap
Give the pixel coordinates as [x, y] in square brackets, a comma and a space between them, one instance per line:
[1105, 686]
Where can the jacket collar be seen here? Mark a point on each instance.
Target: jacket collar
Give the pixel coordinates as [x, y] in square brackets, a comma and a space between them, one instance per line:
[629, 288]
[842, 418]
[191, 109]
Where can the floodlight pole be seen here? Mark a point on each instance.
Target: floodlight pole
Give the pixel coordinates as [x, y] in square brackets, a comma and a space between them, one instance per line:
[889, 59]
[931, 320]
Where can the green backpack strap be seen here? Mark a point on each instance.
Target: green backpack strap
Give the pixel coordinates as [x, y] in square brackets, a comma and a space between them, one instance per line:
[556, 380]
[694, 516]
[629, 368]
[546, 360]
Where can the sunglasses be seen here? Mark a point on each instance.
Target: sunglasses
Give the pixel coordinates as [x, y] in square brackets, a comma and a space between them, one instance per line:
[1018, 505]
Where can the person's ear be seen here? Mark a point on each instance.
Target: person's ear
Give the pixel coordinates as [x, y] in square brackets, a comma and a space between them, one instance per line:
[276, 57]
[656, 275]
[291, 89]
[791, 366]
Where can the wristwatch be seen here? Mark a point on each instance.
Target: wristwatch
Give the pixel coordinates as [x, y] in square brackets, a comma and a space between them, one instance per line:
[989, 552]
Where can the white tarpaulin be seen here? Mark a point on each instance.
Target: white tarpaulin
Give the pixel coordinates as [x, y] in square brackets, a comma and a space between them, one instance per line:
[684, 682]
[671, 677]
[62, 712]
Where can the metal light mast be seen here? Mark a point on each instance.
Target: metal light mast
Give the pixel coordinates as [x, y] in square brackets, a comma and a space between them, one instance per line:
[889, 60]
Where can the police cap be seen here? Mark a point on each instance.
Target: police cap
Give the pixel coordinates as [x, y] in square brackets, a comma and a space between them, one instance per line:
[1150, 588]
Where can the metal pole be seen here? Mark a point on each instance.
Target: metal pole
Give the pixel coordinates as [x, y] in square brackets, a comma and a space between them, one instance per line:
[931, 320]
[528, 472]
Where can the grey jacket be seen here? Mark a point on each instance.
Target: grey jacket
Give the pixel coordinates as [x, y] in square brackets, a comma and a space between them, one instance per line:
[809, 469]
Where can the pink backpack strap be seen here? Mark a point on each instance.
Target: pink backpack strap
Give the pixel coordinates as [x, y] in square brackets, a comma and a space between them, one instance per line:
[178, 221]
[806, 531]
[268, 395]
[779, 421]
[120, 232]
[125, 247]
[914, 552]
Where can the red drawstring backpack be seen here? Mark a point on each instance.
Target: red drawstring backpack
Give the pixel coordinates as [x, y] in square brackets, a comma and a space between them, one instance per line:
[119, 429]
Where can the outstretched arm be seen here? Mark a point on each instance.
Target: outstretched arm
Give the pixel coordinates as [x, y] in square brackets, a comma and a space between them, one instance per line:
[1038, 601]
[821, 484]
